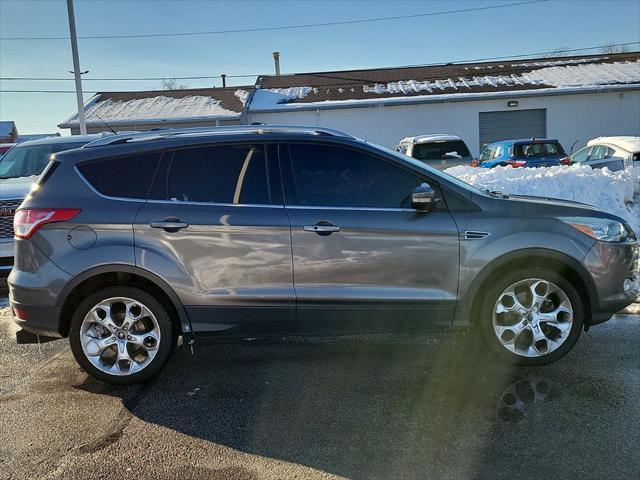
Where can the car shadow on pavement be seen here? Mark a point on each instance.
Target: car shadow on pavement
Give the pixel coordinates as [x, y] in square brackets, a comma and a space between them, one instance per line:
[359, 407]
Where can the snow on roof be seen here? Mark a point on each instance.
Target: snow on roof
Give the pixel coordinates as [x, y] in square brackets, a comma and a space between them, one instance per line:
[435, 137]
[241, 95]
[630, 144]
[6, 128]
[156, 107]
[335, 88]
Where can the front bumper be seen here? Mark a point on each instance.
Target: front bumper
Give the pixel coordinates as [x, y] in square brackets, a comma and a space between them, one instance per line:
[615, 271]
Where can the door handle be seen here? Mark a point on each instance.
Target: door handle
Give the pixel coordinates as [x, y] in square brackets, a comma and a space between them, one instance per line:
[322, 228]
[169, 224]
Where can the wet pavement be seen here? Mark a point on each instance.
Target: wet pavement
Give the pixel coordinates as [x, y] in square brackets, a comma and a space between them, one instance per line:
[367, 407]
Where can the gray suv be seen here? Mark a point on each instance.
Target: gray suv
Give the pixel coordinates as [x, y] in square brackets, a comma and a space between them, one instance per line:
[133, 241]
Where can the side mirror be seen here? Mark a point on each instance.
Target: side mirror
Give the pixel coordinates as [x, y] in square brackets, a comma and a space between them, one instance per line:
[423, 198]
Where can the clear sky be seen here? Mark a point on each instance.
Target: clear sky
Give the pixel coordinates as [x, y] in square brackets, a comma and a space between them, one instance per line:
[506, 31]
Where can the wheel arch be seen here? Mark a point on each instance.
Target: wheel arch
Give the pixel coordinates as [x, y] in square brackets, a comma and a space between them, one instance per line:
[559, 262]
[120, 274]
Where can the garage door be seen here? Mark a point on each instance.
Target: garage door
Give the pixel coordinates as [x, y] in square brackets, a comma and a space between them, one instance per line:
[496, 126]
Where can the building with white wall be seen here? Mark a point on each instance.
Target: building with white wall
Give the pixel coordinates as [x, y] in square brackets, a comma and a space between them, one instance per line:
[572, 99]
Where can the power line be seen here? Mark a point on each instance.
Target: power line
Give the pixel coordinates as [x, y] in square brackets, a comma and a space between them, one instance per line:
[286, 27]
[198, 77]
[320, 74]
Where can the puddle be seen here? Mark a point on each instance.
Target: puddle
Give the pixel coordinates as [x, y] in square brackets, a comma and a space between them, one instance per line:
[525, 397]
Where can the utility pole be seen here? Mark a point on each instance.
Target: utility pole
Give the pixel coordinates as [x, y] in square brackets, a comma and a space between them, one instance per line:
[76, 67]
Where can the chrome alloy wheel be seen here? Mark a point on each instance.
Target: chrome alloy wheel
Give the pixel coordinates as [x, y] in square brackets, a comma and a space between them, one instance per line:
[120, 336]
[532, 317]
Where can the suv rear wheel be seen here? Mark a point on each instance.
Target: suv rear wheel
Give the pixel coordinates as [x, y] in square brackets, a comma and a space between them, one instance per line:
[532, 317]
[121, 335]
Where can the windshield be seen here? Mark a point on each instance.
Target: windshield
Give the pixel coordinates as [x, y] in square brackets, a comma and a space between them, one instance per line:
[440, 150]
[30, 160]
[541, 149]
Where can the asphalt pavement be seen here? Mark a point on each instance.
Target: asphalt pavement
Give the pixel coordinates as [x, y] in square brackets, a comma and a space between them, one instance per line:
[364, 407]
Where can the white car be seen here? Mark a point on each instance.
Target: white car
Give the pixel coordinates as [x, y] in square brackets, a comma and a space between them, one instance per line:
[615, 153]
[20, 168]
[438, 150]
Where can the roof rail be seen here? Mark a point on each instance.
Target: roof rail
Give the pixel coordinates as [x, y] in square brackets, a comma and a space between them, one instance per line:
[158, 134]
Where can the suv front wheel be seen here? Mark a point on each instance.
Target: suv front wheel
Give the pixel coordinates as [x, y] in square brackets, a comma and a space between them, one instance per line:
[531, 316]
[121, 335]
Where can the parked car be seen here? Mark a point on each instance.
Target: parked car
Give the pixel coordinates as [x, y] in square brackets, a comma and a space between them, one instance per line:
[5, 147]
[533, 152]
[19, 170]
[440, 151]
[615, 153]
[132, 241]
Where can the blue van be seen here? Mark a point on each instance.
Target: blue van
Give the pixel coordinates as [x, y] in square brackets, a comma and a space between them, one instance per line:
[532, 152]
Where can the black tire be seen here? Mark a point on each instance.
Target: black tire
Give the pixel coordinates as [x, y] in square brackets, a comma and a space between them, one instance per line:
[492, 294]
[164, 347]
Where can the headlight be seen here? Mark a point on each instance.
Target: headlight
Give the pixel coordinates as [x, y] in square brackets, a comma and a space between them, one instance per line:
[602, 229]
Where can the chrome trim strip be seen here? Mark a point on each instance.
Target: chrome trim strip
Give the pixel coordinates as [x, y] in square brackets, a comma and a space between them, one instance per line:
[213, 204]
[366, 209]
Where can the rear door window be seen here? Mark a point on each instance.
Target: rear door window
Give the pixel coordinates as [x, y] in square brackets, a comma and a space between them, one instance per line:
[227, 174]
[122, 177]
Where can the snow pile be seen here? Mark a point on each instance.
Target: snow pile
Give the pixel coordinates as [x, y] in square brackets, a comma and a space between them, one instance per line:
[157, 108]
[613, 192]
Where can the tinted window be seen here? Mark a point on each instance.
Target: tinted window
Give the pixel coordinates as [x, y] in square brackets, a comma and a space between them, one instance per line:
[126, 177]
[439, 150]
[221, 174]
[324, 175]
[31, 160]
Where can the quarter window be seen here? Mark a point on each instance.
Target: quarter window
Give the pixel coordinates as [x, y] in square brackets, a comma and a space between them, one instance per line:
[331, 176]
[234, 174]
[124, 177]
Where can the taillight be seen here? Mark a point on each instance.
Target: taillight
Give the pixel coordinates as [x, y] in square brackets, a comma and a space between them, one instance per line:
[516, 163]
[565, 161]
[27, 221]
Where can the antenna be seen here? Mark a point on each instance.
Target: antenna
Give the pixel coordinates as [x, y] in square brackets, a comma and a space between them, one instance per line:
[105, 124]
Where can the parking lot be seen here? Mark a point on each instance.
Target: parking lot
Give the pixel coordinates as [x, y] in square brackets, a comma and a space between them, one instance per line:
[429, 406]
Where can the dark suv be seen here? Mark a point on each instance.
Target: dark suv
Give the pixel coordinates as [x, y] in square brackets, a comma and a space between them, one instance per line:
[133, 241]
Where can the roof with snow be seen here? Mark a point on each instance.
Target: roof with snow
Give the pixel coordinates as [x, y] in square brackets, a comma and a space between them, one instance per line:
[448, 81]
[163, 106]
[630, 144]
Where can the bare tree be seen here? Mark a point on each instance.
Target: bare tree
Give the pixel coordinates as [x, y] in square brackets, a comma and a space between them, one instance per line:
[172, 84]
[558, 52]
[611, 48]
